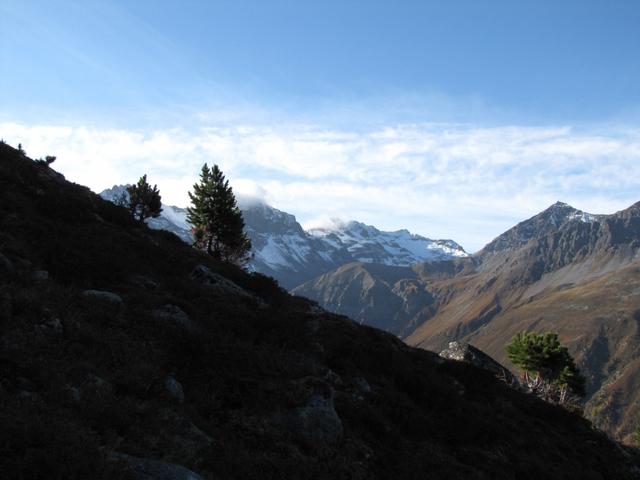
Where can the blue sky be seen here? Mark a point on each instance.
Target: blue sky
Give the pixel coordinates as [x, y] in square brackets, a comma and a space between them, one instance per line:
[398, 113]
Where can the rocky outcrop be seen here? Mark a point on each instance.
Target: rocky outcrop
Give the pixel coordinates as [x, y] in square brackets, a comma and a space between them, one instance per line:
[6, 266]
[174, 389]
[222, 285]
[148, 469]
[465, 352]
[108, 297]
[176, 316]
[317, 423]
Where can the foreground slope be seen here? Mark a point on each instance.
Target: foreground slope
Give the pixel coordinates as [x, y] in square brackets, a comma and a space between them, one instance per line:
[121, 347]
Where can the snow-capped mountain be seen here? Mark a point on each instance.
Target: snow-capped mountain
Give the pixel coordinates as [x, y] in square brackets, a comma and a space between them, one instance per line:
[401, 248]
[285, 251]
[554, 218]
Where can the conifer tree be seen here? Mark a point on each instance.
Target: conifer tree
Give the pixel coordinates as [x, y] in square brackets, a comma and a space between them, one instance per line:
[216, 220]
[144, 200]
[549, 369]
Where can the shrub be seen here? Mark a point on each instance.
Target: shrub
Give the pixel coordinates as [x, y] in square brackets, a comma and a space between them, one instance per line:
[548, 368]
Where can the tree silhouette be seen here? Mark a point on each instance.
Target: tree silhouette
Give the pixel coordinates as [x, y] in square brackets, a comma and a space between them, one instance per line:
[144, 200]
[216, 220]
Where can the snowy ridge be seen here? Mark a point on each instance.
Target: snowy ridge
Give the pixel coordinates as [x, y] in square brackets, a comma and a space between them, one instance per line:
[285, 251]
[400, 248]
[554, 218]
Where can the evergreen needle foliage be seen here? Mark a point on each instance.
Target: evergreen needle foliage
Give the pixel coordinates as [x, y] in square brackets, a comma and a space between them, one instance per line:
[216, 220]
[549, 369]
[144, 200]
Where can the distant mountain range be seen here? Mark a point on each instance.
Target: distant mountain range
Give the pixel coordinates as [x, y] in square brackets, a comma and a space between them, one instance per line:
[284, 250]
[562, 270]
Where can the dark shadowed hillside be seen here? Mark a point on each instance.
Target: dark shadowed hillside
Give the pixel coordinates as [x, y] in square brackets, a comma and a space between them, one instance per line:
[126, 354]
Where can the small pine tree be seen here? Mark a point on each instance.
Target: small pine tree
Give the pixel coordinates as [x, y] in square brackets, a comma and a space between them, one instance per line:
[46, 161]
[144, 200]
[216, 220]
[549, 370]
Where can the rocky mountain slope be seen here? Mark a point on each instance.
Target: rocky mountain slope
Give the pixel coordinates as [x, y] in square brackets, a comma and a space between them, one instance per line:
[562, 270]
[124, 353]
[283, 250]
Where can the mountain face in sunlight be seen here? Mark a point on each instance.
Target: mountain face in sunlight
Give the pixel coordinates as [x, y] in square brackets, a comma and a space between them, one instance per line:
[562, 270]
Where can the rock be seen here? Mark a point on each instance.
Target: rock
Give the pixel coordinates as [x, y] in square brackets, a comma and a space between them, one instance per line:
[174, 389]
[6, 266]
[317, 310]
[98, 384]
[105, 296]
[362, 384]
[6, 306]
[148, 469]
[40, 276]
[174, 314]
[143, 282]
[465, 352]
[52, 326]
[75, 394]
[223, 285]
[317, 423]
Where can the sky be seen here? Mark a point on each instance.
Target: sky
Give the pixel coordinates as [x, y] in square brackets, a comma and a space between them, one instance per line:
[453, 119]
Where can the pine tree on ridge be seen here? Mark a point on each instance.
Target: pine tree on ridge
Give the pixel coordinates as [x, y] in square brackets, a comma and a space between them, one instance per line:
[216, 220]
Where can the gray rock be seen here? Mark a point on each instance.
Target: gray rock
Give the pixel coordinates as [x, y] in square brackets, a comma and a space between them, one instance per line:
[52, 326]
[75, 394]
[174, 389]
[40, 276]
[317, 310]
[98, 384]
[143, 282]
[6, 306]
[362, 384]
[174, 314]
[148, 469]
[222, 285]
[6, 266]
[105, 296]
[465, 352]
[317, 422]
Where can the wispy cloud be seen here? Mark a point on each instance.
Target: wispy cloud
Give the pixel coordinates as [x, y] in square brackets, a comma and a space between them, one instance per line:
[454, 181]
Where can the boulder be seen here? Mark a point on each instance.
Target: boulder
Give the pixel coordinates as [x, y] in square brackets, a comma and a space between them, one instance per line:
[109, 297]
[143, 282]
[465, 352]
[6, 266]
[148, 469]
[317, 423]
[6, 306]
[40, 276]
[174, 314]
[174, 389]
[222, 285]
[52, 326]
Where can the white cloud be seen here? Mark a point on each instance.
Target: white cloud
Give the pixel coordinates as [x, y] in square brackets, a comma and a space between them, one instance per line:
[454, 181]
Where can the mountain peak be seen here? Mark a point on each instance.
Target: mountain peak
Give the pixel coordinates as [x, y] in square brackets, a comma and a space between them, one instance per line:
[553, 218]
